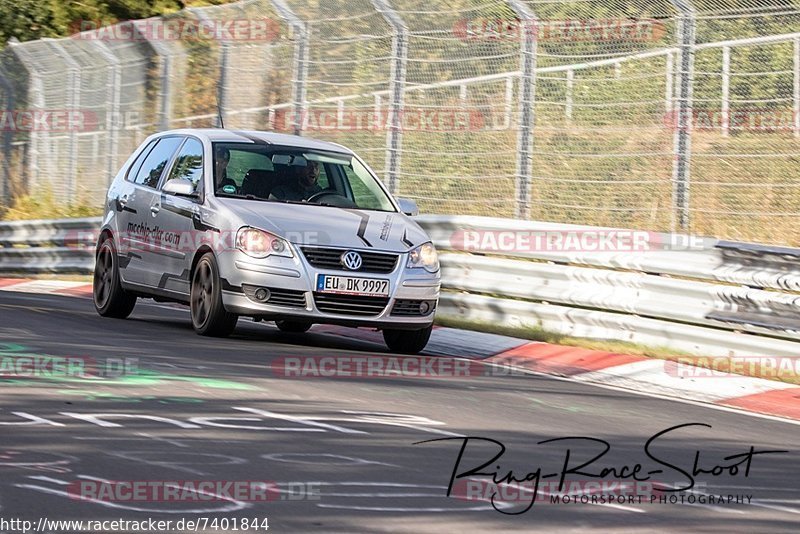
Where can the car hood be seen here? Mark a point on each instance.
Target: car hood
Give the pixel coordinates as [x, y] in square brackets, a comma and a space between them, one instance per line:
[323, 225]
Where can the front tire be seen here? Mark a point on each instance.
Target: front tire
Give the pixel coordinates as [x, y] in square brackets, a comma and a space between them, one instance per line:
[407, 341]
[110, 300]
[293, 327]
[209, 316]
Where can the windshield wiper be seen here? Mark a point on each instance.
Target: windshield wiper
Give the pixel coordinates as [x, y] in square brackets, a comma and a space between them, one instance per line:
[241, 197]
[289, 201]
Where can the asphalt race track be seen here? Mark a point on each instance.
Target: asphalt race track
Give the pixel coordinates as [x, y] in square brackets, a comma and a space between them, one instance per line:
[340, 452]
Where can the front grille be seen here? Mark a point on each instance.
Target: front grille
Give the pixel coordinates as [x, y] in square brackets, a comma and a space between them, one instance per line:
[350, 304]
[290, 298]
[329, 258]
[410, 308]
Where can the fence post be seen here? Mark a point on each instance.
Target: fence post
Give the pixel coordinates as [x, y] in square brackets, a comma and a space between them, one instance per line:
[570, 90]
[397, 82]
[224, 51]
[300, 61]
[8, 136]
[73, 103]
[527, 96]
[797, 87]
[508, 107]
[165, 86]
[113, 106]
[683, 132]
[670, 82]
[726, 90]
[35, 98]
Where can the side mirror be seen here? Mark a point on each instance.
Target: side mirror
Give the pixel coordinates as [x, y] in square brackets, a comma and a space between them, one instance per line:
[181, 187]
[408, 206]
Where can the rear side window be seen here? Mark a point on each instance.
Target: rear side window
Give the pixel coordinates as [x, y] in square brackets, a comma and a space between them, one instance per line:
[189, 163]
[134, 170]
[153, 166]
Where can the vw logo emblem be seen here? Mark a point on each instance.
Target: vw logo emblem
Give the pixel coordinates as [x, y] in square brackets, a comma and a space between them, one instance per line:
[351, 260]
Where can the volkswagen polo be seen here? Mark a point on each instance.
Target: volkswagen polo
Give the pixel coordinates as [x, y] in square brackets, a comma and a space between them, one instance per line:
[268, 226]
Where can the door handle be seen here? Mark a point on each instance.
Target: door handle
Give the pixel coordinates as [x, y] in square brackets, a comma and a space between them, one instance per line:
[123, 200]
[155, 209]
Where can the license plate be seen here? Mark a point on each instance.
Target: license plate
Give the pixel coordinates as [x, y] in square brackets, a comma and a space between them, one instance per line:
[348, 285]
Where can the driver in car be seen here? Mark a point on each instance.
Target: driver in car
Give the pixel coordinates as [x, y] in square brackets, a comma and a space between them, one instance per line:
[302, 186]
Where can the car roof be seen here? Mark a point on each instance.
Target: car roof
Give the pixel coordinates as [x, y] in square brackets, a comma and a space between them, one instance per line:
[254, 136]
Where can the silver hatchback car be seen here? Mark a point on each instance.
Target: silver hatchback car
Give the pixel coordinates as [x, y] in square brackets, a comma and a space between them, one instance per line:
[270, 226]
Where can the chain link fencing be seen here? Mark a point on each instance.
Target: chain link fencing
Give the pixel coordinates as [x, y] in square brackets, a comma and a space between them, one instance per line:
[664, 115]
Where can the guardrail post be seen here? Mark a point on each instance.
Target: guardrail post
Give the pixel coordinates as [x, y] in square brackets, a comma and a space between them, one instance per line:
[300, 61]
[797, 87]
[114, 88]
[527, 96]
[73, 103]
[683, 130]
[726, 90]
[397, 82]
[8, 135]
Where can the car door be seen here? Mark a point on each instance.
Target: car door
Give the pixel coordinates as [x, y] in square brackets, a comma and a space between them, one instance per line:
[126, 218]
[176, 216]
[137, 223]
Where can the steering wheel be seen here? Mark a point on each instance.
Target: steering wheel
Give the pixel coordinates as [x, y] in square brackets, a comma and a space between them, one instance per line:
[336, 199]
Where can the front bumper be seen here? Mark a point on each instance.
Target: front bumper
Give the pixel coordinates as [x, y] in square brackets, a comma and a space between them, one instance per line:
[293, 283]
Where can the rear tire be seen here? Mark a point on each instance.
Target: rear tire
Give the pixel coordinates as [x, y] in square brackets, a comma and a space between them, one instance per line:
[209, 316]
[293, 327]
[407, 341]
[110, 300]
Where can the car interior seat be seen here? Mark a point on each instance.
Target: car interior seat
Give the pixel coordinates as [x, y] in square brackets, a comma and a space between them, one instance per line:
[258, 182]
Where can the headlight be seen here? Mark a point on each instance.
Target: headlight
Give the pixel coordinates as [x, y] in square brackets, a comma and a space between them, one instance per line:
[260, 244]
[425, 257]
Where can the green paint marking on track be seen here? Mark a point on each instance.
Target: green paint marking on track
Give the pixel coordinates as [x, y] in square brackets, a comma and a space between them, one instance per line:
[152, 378]
[141, 377]
[573, 409]
[90, 395]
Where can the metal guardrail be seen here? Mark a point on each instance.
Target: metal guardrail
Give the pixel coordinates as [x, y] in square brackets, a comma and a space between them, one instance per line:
[696, 294]
[48, 246]
[701, 295]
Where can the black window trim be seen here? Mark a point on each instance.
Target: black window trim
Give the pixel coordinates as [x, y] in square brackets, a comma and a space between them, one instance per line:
[174, 160]
[140, 159]
[169, 162]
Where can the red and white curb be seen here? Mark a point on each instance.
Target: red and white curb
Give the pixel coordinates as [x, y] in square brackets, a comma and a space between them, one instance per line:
[635, 373]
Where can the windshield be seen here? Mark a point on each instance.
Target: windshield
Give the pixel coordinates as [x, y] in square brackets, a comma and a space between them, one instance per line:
[286, 174]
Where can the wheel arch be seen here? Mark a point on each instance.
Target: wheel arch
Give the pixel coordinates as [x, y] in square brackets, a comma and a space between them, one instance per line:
[105, 235]
[202, 251]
